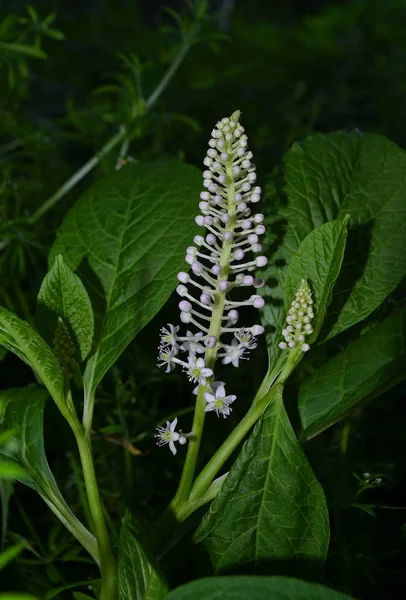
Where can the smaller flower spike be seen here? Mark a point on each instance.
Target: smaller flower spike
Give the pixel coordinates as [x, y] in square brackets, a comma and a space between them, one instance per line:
[168, 435]
[299, 320]
[220, 402]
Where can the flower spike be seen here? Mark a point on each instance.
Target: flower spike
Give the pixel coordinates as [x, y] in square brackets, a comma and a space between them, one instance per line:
[221, 259]
[299, 320]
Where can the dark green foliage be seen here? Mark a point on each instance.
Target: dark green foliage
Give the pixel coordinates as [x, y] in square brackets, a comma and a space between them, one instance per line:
[80, 85]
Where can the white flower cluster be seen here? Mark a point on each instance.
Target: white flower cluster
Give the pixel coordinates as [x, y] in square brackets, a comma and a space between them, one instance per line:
[299, 320]
[219, 262]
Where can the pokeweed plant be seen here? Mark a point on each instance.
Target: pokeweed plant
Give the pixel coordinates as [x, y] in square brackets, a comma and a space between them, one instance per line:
[126, 238]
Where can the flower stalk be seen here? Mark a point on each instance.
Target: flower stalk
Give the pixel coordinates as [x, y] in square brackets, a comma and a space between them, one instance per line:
[218, 264]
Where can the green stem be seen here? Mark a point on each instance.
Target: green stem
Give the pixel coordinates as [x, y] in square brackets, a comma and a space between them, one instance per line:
[205, 478]
[185, 485]
[78, 176]
[108, 572]
[115, 140]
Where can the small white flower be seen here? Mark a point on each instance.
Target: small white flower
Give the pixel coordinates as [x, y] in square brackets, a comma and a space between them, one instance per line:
[166, 357]
[168, 435]
[233, 353]
[197, 371]
[220, 402]
[168, 335]
[246, 339]
[191, 345]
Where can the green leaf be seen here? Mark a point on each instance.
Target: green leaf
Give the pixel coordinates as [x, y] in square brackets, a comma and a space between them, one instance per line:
[11, 471]
[19, 337]
[270, 508]
[138, 579]
[132, 228]
[23, 49]
[371, 364]
[254, 588]
[23, 413]
[11, 554]
[318, 260]
[63, 295]
[17, 596]
[330, 175]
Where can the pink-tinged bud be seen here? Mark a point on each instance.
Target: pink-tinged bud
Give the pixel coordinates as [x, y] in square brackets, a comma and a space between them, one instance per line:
[246, 224]
[198, 240]
[257, 330]
[261, 261]
[248, 280]
[204, 196]
[205, 299]
[207, 174]
[204, 206]
[213, 188]
[210, 341]
[185, 306]
[223, 285]
[256, 247]
[218, 199]
[258, 302]
[182, 290]
[211, 153]
[197, 268]
[183, 277]
[241, 207]
[216, 269]
[189, 259]
[259, 218]
[260, 229]
[239, 254]
[208, 220]
[255, 198]
[224, 156]
[199, 220]
[227, 236]
[225, 218]
[191, 251]
[233, 315]
[210, 239]
[185, 317]
[237, 198]
[253, 238]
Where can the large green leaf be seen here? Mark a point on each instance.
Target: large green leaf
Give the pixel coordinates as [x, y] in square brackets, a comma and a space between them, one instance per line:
[63, 295]
[270, 508]
[19, 337]
[330, 175]
[138, 579]
[23, 414]
[132, 227]
[318, 260]
[254, 588]
[371, 364]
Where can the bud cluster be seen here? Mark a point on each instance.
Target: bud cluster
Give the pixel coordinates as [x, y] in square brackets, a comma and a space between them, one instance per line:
[64, 348]
[299, 320]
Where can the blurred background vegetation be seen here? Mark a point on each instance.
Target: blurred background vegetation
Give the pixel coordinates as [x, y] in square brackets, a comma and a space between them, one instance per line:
[74, 74]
